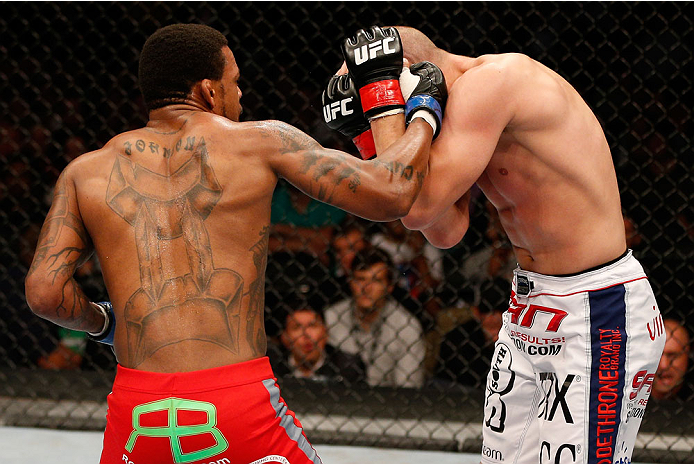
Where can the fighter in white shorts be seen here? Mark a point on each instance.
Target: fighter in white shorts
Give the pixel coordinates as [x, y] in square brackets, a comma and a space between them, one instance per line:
[564, 373]
[573, 368]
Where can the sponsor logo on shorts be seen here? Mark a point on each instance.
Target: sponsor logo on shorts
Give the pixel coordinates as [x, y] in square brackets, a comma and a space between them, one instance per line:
[523, 285]
[331, 111]
[642, 382]
[271, 459]
[536, 340]
[623, 449]
[555, 396]
[532, 345]
[173, 431]
[490, 453]
[561, 454]
[371, 51]
[656, 328]
[552, 316]
[499, 383]
[642, 379]
[611, 345]
[635, 412]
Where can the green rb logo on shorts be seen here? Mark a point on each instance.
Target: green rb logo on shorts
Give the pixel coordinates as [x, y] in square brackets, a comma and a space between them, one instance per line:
[174, 432]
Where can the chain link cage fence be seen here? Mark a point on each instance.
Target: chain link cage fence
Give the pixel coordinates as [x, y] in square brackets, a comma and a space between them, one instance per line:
[69, 83]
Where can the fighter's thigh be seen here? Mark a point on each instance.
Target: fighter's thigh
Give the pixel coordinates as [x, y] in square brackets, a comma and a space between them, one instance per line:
[562, 414]
[592, 414]
[510, 407]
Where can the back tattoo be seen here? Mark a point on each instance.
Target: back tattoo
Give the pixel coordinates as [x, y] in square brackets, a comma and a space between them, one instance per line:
[166, 211]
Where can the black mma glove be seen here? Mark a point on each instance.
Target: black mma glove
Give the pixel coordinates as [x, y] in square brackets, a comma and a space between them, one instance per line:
[342, 112]
[105, 336]
[424, 87]
[374, 60]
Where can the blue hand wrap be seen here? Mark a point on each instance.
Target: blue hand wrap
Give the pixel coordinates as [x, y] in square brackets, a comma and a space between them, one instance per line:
[109, 330]
[424, 102]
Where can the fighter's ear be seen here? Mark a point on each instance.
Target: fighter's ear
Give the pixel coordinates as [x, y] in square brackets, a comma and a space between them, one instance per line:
[207, 92]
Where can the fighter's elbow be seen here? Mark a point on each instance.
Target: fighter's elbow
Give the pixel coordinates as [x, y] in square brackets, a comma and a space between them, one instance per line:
[40, 297]
[443, 239]
[444, 242]
[391, 210]
[392, 204]
[417, 218]
[412, 222]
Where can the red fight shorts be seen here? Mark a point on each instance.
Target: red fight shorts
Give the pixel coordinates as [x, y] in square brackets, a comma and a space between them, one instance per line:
[231, 414]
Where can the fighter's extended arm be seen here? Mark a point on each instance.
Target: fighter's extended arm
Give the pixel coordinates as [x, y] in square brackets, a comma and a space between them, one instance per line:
[382, 189]
[51, 291]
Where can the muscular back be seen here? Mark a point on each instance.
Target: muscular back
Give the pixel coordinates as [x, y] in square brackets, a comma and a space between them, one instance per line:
[179, 219]
[534, 147]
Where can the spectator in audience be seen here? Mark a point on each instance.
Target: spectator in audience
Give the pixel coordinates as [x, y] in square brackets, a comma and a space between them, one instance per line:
[671, 379]
[373, 325]
[304, 351]
[300, 236]
[349, 240]
[419, 267]
[466, 351]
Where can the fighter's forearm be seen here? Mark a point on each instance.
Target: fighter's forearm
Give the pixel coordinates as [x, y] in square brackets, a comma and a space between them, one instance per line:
[69, 308]
[387, 130]
[76, 311]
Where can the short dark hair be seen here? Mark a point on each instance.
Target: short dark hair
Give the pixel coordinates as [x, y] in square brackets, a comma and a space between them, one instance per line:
[370, 257]
[177, 56]
[298, 302]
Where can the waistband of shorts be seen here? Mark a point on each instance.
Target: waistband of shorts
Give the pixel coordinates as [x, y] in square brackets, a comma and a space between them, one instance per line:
[232, 375]
[620, 271]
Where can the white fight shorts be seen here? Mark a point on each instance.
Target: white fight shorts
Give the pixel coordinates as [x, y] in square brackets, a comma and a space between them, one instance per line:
[573, 368]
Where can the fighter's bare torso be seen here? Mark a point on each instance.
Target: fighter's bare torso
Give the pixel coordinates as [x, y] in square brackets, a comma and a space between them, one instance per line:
[187, 285]
[179, 215]
[549, 171]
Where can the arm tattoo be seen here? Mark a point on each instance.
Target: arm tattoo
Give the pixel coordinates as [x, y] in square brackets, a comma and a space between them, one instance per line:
[58, 221]
[60, 263]
[291, 139]
[325, 171]
[407, 172]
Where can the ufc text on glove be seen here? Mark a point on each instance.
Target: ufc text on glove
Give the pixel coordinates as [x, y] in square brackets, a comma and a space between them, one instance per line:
[374, 60]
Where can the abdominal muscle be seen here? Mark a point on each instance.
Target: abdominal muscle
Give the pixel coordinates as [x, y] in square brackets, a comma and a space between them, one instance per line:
[555, 239]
